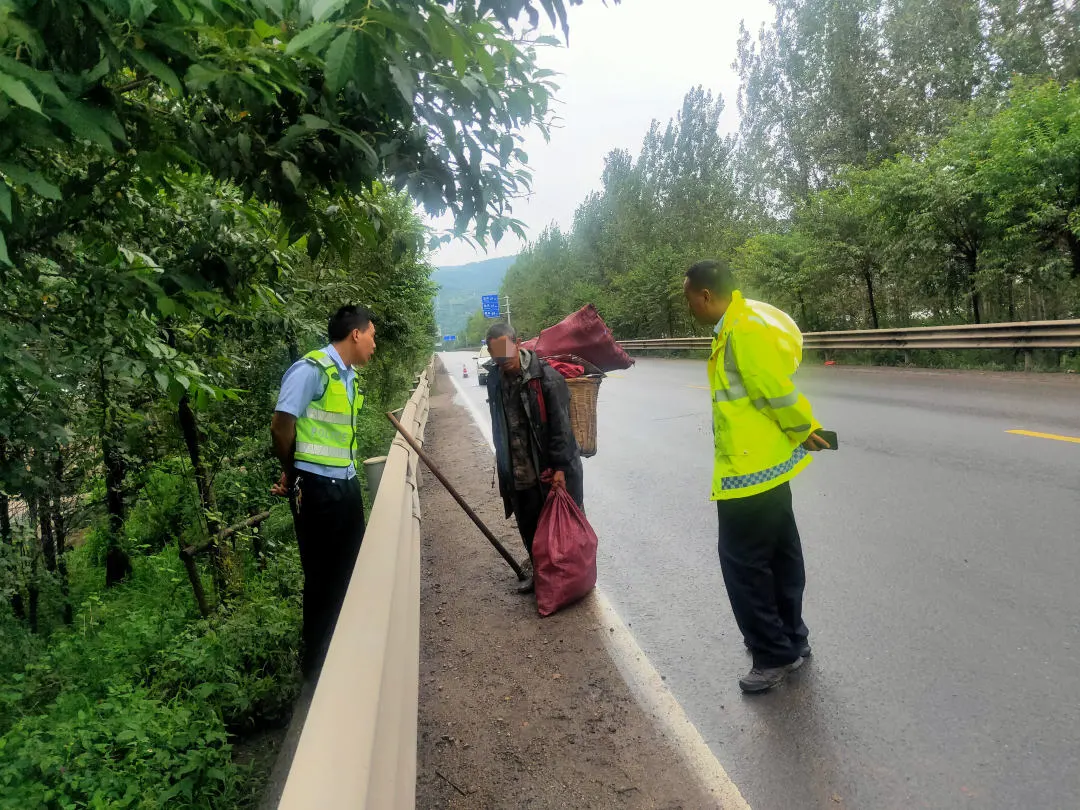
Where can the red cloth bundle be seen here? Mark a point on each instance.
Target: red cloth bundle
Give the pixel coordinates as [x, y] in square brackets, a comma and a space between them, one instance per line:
[583, 334]
[568, 370]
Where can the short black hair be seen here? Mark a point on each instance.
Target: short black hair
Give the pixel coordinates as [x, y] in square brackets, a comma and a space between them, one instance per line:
[501, 330]
[712, 274]
[349, 317]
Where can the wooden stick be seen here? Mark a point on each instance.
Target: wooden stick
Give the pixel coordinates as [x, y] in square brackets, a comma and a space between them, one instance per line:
[506, 555]
[225, 534]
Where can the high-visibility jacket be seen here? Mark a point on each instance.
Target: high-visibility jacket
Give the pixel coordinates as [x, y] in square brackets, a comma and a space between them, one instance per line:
[326, 432]
[760, 419]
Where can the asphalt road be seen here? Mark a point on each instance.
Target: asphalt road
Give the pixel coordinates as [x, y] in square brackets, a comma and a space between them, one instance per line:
[943, 598]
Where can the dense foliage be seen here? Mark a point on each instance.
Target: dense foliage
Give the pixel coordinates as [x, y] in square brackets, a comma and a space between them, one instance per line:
[187, 190]
[899, 162]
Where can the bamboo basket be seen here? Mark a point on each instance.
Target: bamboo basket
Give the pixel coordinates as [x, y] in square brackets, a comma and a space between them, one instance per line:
[583, 395]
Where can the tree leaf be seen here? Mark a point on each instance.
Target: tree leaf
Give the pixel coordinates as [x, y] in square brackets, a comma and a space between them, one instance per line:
[80, 126]
[19, 93]
[159, 69]
[5, 201]
[265, 30]
[26, 177]
[4, 258]
[291, 172]
[324, 9]
[310, 37]
[341, 60]
[403, 78]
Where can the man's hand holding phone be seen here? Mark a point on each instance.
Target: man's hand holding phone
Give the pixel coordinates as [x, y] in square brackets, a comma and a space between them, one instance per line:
[821, 440]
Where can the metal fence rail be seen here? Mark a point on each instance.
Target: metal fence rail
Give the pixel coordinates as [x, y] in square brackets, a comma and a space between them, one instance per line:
[358, 745]
[1026, 336]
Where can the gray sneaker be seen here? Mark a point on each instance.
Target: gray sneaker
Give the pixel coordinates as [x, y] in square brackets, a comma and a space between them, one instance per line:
[764, 679]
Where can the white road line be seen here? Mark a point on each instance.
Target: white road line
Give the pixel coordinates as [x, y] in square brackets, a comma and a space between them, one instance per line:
[482, 421]
[645, 683]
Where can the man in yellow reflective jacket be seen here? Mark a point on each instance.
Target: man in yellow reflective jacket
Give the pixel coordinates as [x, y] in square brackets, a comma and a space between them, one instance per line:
[314, 432]
[763, 428]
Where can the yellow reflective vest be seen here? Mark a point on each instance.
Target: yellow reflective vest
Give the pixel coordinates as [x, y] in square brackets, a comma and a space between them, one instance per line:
[760, 419]
[326, 432]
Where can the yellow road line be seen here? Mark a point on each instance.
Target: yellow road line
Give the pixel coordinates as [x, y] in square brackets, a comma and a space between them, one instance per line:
[699, 387]
[1056, 438]
[615, 376]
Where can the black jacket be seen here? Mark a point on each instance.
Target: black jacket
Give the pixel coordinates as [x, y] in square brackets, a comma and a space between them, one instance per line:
[547, 403]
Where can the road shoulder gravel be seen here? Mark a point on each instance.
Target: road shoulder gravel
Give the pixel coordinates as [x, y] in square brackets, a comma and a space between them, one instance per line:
[518, 711]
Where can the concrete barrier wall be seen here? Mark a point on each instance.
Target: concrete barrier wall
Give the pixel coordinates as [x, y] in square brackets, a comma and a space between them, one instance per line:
[358, 745]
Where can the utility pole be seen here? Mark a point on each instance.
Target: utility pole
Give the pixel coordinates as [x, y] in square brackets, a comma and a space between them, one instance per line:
[507, 300]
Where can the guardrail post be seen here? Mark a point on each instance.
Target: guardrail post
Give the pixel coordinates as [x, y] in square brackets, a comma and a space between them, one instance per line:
[1028, 360]
[373, 470]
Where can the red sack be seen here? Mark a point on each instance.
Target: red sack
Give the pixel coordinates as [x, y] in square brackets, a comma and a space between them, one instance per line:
[583, 334]
[564, 554]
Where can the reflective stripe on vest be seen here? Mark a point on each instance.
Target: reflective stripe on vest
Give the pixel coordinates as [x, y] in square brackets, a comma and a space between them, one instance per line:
[328, 416]
[736, 390]
[309, 449]
[765, 476]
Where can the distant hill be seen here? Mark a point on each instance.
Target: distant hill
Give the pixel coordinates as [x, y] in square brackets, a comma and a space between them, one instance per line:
[460, 288]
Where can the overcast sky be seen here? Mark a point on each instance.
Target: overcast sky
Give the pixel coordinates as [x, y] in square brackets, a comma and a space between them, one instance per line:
[625, 66]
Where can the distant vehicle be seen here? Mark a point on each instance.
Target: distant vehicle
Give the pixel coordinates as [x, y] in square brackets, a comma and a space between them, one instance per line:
[481, 372]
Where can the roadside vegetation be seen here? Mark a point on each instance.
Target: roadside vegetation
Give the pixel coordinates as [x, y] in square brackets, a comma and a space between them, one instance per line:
[187, 189]
[899, 163]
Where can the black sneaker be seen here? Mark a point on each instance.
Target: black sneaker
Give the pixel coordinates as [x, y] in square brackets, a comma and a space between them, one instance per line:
[764, 679]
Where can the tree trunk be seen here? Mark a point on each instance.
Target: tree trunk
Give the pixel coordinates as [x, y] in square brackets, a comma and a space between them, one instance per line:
[971, 258]
[117, 562]
[34, 601]
[294, 349]
[868, 277]
[48, 539]
[804, 315]
[223, 569]
[18, 607]
[5, 520]
[5, 503]
[1072, 243]
[35, 566]
[60, 536]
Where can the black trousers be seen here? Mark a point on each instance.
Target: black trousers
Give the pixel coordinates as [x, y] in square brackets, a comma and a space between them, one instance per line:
[328, 514]
[529, 503]
[761, 558]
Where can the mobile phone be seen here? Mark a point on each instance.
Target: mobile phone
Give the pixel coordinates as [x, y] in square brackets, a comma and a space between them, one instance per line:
[830, 437]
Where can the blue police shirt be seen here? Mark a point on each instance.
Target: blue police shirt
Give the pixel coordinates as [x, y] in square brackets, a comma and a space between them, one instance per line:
[302, 385]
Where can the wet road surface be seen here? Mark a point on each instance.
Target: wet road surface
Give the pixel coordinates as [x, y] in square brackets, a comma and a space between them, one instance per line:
[943, 597]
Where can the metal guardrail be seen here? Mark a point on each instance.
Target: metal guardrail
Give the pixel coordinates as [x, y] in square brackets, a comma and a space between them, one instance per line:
[358, 745]
[1029, 335]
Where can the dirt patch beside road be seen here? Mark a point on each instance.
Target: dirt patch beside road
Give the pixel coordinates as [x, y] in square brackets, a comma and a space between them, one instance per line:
[518, 711]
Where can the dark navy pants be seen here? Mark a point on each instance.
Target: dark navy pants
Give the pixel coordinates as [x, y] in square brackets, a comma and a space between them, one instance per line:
[761, 558]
